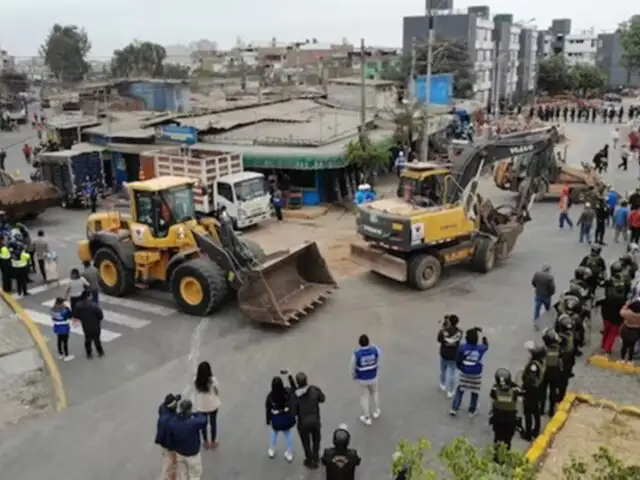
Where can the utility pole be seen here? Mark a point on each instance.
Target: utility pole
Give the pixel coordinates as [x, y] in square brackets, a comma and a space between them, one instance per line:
[430, 38]
[411, 86]
[107, 112]
[363, 90]
[498, 75]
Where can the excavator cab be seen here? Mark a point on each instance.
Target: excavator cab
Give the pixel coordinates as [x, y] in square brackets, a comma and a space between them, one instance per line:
[425, 184]
[200, 260]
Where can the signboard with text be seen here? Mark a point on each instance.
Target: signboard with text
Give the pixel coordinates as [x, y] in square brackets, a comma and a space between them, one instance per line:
[177, 134]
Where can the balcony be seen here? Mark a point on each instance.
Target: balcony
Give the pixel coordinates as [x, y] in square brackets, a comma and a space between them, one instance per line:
[482, 44]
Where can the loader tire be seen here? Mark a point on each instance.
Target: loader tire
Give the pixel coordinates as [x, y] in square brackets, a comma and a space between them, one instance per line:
[198, 286]
[484, 258]
[114, 277]
[256, 250]
[424, 271]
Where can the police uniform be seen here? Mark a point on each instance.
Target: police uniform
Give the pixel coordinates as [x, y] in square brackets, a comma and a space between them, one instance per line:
[504, 418]
[20, 267]
[552, 377]
[568, 353]
[5, 267]
[340, 461]
[532, 378]
[598, 267]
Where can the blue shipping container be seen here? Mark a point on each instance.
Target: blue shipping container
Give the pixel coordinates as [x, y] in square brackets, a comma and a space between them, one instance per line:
[441, 89]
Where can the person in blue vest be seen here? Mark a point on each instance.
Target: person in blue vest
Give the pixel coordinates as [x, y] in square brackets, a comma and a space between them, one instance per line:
[276, 201]
[166, 412]
[364, 368]
[360, 195]
[369, 194]
[400, 163]
[91, 194]
[61, 319]
[470, 364]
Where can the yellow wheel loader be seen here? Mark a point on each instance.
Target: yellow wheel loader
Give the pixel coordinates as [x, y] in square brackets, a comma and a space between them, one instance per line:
[438, 219]
[200, 260]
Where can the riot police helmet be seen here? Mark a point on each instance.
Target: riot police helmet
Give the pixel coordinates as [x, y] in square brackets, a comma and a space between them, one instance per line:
[503, 377]
[550, 336]
[615, 268]
[570, 301]
[596, 250]
[626, 260]
[582, 273]
[341, 437]
[564, 323]
[537, 351]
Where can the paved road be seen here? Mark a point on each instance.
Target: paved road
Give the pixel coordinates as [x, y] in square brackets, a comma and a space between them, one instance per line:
[107, 432]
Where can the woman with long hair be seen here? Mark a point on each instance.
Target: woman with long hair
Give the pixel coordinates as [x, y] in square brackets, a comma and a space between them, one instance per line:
[207, 402]
[280, 416]
[77, 285]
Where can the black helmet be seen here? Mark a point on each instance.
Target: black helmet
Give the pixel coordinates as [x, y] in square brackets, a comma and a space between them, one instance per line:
[550, 337]
[538, 352]
[626, 260]
[582, 273]
[564, 323]
[570, 301]
[341, 438]
[596, 250]
[615, 268]
[503, 376]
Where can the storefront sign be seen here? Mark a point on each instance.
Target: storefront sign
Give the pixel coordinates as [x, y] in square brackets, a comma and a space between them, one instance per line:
[293, 163]
[178, 134]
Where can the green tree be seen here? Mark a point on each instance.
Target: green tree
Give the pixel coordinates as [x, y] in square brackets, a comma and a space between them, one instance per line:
[409, 119]
[585, 77]
[366, 156]
[139, 59]
[553, 75]
[65, 52]
[13, 82]
[630, 39]
[176, 71]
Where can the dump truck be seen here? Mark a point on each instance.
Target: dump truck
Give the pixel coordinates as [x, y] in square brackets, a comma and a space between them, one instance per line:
[71, 171]
[221, 181]
[200, 260]
[23, 201]
[438, 219]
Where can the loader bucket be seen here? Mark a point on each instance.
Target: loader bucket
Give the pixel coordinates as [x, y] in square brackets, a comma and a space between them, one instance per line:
[379, 261]
[510, 233]
[283, 290]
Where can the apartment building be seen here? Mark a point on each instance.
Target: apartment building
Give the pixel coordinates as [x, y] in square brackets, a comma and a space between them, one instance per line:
[527, 61]
[544, 40]
[580, 48]
[609, 60]
[472, 27]
[507, 37]
[7, 62]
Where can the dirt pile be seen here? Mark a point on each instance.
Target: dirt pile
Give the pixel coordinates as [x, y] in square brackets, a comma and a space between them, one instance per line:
[22, 199]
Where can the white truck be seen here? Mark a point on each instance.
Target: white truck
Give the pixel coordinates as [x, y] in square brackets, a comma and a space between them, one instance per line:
[222, 181]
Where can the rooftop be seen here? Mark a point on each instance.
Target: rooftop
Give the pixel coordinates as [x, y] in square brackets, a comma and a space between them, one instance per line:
[130, 124]
[71, 120]
[358, 81]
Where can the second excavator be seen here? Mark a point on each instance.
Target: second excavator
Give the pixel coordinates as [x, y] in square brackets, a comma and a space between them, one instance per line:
[438, 219]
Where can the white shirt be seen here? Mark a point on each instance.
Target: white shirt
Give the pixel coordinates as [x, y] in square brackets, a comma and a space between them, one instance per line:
[615, 135]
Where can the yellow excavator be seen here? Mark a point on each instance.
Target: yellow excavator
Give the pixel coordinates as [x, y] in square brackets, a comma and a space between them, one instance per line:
[438, 219]
[200, 260]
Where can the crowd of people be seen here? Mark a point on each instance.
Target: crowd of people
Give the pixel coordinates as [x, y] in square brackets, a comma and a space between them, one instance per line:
[582, 112]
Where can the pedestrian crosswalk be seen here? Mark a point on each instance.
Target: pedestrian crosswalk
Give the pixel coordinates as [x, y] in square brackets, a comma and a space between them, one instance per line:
[131, 315]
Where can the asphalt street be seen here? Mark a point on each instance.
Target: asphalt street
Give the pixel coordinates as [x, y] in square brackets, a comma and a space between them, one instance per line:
[108, 430]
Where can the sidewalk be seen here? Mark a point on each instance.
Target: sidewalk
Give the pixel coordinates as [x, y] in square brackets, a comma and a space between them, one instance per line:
[25, 390]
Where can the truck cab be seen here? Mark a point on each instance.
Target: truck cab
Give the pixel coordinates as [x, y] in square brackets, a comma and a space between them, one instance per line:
[245, 196]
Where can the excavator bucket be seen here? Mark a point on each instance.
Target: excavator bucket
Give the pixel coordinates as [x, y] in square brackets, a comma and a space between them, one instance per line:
[283, 290]
[510, 233]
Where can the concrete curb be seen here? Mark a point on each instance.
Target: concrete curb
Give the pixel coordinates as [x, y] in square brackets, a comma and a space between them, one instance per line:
[543, 442]
[41, 344]
[601, 361]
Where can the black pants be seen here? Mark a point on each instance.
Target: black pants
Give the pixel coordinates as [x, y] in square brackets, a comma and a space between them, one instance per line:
[624, 163]
[550, 388]
[635, 235]
[629, 337]
[531, 410]
[310, 439]
[567, 372]
[42, 270]
[6, 275]
[90, 340]
[600, 231]
[93, 201]
[63, 345]
[22, 279]
[278, 210]
[212, 420]
[503, 433]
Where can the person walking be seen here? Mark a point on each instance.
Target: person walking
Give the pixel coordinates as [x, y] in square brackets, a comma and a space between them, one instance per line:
[3, 159]
[613, 198]
[615, 137]
[185, 430]
[280, 416]
[544, 288]
[621, 222]
[20, 268]
[91, 275]
[624, 158]
[585, 223]
[630, 331]
[565, 204]
[276, 201]
[602, 220]
[90, 317]
[207, 402]
[166, 412]
[61, 318]
[634, 225]
[449, 338]
[5, 266]
[615, 295]
[307, 410]
[26, 151]
[364, 369]
[471, 367]
[76, 288]
[41, 249]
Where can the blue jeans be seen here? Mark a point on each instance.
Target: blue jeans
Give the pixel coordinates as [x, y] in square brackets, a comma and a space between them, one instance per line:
[564, 218]
[585, 233]
[457, 400]
[288, 438]
[448, 371]
[95, 297]
[538, 303]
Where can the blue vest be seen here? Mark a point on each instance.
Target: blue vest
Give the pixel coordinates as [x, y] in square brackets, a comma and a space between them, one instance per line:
[367, 362]
[60, 319]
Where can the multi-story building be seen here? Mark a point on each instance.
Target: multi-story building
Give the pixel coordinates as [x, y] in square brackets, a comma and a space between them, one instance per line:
[544, 40]
[507, 37]
[609, 60]
[7, 62]
[528, 61]
[473, 27]
[574, 47]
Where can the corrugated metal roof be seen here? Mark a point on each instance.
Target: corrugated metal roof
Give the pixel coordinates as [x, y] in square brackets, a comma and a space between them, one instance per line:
[121, 130]
[62, 122]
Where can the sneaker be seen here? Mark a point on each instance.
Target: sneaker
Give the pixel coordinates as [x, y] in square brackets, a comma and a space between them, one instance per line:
[472, 414]
[453, 412]
[365, 420]
[60, 357]
[288, 456]
[450, 394]
[271, 453]
[376, 414]
[443, 387]
[68, 358]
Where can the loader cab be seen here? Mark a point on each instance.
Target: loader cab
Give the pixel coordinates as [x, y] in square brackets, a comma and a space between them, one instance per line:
[426, 183]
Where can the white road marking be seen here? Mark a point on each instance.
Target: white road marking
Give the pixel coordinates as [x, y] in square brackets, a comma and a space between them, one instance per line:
[138, 305]
[49, 286]
[113, 317]
[45, 319]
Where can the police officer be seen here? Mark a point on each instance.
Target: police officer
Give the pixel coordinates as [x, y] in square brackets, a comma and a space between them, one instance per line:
[5, 266]
[552, 377]
[629, 266]
[565, 328]
[20, 266]
[532, 378]
[504, 418]
[340, 461]
[597, 265]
